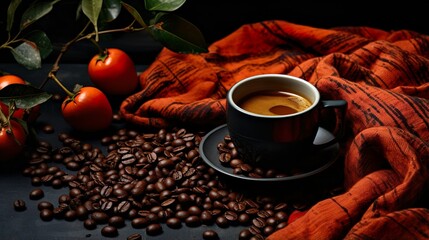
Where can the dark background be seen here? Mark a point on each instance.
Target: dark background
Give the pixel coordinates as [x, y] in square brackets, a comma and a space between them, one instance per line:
[216, 19]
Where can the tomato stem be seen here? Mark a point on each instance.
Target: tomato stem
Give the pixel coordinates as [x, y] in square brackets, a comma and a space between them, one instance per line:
[101, 51]
[3, 120]
[52, 76]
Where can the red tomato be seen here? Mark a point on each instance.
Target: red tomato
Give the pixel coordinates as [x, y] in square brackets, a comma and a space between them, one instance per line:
[11, 145]
[113, 73]
[295, 215]
[10, 79]
[88, 111]
[29, 115]
[6, 80]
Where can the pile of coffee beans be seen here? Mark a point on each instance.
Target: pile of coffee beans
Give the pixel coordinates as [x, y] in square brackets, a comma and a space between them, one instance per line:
[154, 180]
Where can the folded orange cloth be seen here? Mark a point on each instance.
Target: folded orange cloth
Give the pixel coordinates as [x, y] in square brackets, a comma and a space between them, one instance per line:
[384, 76]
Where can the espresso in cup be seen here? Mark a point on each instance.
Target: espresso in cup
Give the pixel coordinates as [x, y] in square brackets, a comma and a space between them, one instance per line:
[273, 102]
[273, 119]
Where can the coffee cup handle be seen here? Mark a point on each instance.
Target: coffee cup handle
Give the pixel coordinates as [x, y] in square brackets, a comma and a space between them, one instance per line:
[339, 131]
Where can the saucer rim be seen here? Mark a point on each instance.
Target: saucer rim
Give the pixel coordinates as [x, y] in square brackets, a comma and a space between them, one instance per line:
[223, 127]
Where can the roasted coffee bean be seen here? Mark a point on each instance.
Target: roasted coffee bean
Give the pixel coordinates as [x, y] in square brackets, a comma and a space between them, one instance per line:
[206, 217]
[257, 236]
[272, 221]
[193, 221]
[60, 210]
[194, 210]
[281, 216]
[109, 231]
[139, 222]
[37, 194]
[154, 229]
[46, 214]
[254, 230]
[222, 221]
[70, 215]
[182, 214]
[36, 181]
[281, 225]
[64, 198]
[106, 206]
[106, 191]
[258, 222]
[210, 235]
[299, 205]
[231, 216]
[244, 219]
[124, 206]
[174, 223]
[152, 218]
[134, 236]
[48, 129]
[100, 217]
[57, 183]
[245, 234]
[81, 212]
[19, 205]
[116, 221]
[268, 230]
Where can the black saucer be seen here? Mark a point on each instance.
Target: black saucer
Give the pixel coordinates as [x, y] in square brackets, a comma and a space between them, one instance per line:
[326, 156]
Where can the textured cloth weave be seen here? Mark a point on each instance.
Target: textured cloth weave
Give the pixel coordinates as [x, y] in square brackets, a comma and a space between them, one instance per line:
[384, 77]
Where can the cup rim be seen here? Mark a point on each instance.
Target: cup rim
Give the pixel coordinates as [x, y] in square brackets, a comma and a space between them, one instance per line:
[273, 75]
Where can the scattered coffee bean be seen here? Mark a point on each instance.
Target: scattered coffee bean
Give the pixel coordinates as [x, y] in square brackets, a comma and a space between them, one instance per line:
[174, 223]
[89, 224]
[46, 214]
[154, 229]
[70, 215]
[48, 129]
[19, 205]
[135, 236]
[100, 217]
[117, 117]
[222, 222]
[117, 221]
[193, 221]
[37, 194]
[245, 234]
[210, 235]
[109, 231]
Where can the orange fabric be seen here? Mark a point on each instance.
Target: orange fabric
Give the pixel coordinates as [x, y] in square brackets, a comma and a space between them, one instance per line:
[384, 77]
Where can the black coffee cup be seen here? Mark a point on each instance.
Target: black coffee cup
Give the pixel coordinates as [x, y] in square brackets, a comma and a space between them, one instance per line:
[274, 118]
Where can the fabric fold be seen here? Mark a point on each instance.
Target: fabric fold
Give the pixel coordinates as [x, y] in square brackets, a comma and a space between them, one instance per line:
[384, 77]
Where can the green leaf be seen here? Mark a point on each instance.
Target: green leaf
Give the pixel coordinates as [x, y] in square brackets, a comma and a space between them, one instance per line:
[23, 95]
[163, 5]
[92, 9]
[35, 12]
[11, 13]
[134, 13]
[177, 34]
[28, 55]
[110, 10]
[42, 41]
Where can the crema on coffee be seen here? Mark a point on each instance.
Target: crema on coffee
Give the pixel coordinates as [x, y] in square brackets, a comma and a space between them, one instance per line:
[273, 103]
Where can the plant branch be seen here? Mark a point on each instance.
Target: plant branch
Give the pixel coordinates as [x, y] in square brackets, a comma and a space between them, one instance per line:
[54, 77]
[64, 49]
[79, 37]
[126, 29]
